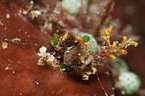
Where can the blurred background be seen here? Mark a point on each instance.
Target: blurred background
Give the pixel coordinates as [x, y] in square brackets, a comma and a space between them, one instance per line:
[133, 12]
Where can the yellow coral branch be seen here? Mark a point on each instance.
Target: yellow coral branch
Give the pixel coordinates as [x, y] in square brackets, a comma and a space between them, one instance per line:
[116, 47]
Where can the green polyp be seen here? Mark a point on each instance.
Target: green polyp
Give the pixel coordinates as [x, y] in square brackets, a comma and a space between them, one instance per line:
[54, 40]
[88, 38]
[74, 6]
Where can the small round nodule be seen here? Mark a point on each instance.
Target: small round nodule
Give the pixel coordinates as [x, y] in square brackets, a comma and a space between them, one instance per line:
[129, 82]
[90, 42]
[121, 65]
[74, 6]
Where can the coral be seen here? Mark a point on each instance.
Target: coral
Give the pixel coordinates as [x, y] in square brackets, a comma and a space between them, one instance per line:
[78, 48]
[116, 46]
[76, 34]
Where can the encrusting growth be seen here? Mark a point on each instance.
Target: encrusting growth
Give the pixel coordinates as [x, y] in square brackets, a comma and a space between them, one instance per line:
[4, 45]
[47, 58]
